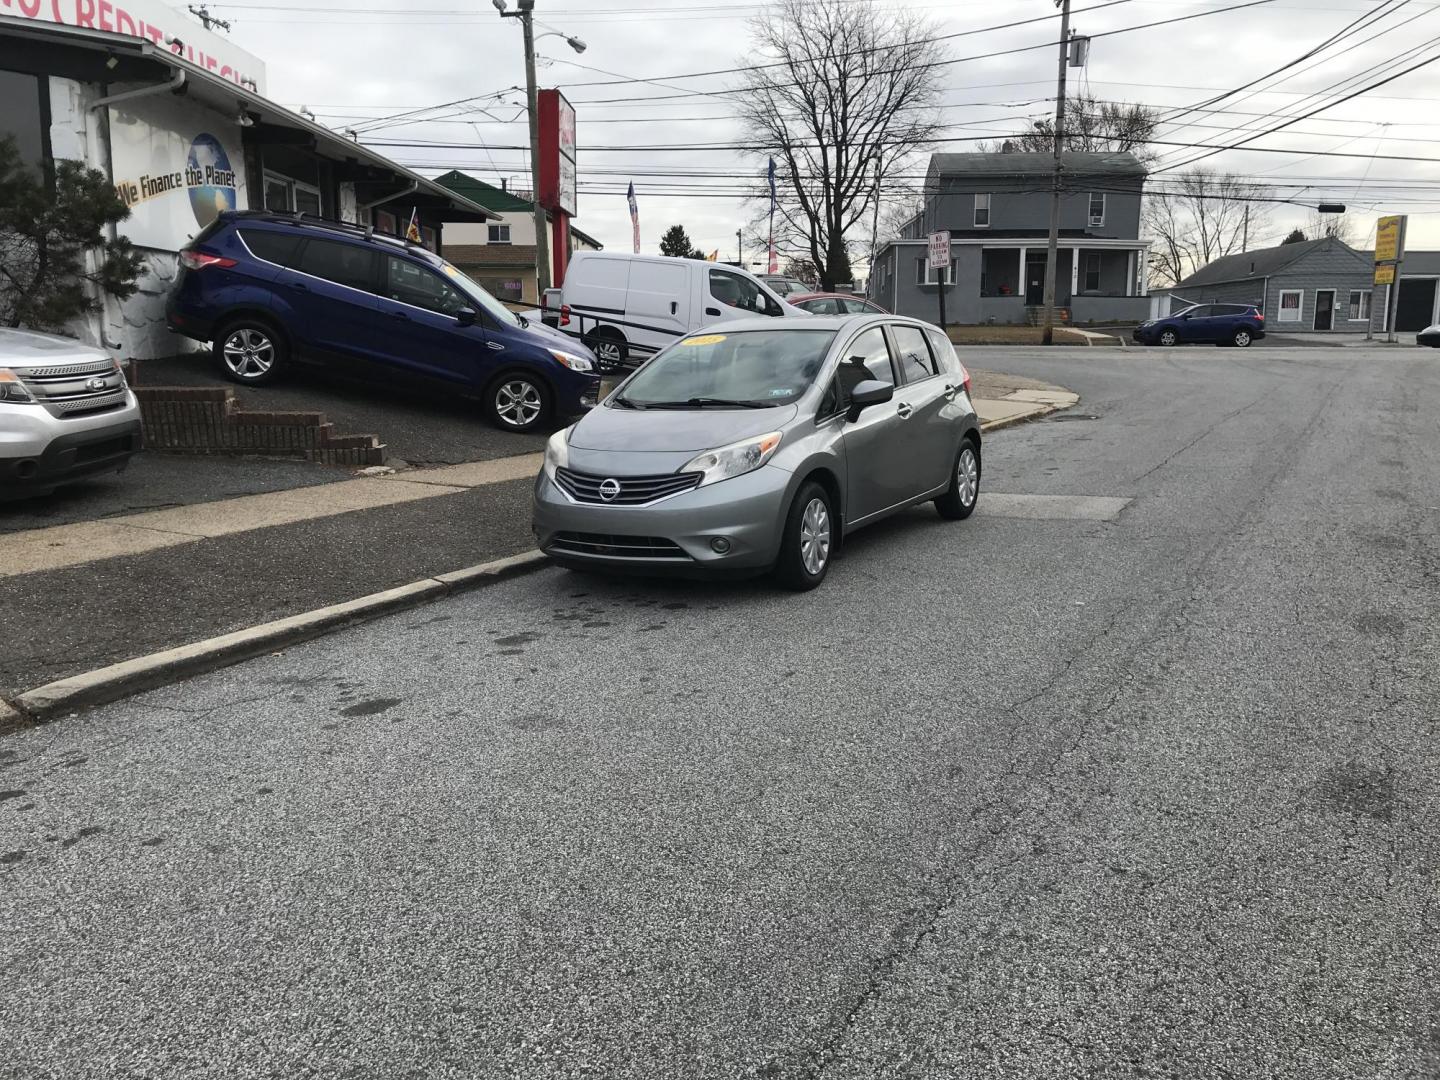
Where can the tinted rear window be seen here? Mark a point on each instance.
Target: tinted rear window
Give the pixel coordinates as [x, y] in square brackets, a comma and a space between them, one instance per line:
[344, 264]
[275, 247]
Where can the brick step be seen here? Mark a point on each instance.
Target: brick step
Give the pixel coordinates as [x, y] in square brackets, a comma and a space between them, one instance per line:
[207, 420]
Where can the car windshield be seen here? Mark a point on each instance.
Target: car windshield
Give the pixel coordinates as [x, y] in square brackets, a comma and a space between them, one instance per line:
[483, 300]
[749, 369]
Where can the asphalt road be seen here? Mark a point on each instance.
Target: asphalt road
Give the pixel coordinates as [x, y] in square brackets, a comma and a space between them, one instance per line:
[1153, 797]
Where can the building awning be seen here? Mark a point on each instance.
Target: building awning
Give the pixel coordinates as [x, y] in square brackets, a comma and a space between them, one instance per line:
[126, 63]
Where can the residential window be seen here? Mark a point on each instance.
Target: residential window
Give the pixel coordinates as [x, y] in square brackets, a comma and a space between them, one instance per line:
[291, 196]
[1291, 301]
[499, 234]
[1092, 271]
[982, 211]
[922, 272]
[1360, 305]
[1097, 209]
[932, 277]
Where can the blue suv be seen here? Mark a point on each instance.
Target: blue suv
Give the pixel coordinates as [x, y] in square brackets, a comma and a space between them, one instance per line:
[271, 290]
[1217, 324]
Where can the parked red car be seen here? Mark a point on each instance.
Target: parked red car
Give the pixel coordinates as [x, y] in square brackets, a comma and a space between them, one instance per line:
[824, 303]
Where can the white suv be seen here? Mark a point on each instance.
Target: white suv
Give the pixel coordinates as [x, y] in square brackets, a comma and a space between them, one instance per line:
[65, 413]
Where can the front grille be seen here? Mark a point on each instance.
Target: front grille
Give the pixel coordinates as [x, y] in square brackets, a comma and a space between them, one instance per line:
[88, 404]
[634, 490]
[69, 371]
[617, 547]
[99, 451]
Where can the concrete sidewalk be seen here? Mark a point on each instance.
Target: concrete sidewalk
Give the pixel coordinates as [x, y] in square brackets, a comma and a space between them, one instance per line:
[83, 595]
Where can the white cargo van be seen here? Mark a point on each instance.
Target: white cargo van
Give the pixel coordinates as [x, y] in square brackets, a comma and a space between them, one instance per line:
[628, 307]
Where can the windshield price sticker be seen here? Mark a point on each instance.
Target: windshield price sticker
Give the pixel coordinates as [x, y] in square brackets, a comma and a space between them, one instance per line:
[704, 339]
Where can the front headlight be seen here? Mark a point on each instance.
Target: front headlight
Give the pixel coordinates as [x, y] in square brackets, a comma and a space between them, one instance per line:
[570, 360]
[557, 451]
[737, 459]
[12, 389]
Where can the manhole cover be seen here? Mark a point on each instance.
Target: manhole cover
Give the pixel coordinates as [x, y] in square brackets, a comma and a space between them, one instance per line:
[1073, 416]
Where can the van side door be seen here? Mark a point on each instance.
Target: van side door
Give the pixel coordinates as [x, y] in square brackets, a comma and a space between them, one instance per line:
[657, 304]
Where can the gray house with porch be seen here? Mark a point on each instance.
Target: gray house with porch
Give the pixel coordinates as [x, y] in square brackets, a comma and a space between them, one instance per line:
[996, 208]
[1321, 285]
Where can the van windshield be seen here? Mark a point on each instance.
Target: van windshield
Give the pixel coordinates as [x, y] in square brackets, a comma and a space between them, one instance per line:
[483, 300]
[752, 369]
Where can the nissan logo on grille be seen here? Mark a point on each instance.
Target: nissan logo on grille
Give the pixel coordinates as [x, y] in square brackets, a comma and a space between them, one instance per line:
[610, 490]
[95, 385]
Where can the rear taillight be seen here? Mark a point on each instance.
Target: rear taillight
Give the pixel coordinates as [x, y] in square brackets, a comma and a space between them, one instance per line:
[199, 260]
[564, 314]
[1260, 315]
[965, 379]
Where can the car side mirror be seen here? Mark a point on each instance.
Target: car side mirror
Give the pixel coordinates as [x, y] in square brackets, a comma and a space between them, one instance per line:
[867, 393]
[466, 316]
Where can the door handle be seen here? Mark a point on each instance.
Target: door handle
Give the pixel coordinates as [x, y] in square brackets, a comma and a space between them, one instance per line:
[299, 286]
[399, 315]
[904, 410]
[712, 311]
[674, 307]
[951, 391]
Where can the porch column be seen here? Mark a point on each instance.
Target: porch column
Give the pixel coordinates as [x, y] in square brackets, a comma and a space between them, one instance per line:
[1074, 272]
[1021, 289]
[1130, 274]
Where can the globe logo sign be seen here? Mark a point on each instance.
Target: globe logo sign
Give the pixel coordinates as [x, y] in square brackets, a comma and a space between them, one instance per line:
[211, 179]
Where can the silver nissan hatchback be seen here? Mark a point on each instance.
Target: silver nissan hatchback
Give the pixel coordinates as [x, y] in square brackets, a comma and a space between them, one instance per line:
[759, 447]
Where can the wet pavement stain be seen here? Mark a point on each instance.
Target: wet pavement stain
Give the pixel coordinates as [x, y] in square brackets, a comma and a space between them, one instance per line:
[371, 708]
[534, 722]
[596, 625]
[676, 606]
[652, 627]
[1380, 625]
[11, 857]
[1360, 789]
[6, 796]
[154, 841]
[89, 830]
[512, 640]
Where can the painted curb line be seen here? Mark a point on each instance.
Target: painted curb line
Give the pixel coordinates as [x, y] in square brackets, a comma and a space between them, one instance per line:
[128, 677]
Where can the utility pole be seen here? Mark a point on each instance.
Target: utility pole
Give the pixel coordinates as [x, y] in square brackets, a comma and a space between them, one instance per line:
[525, 13]
[202, 13]
[1052, 257]
[1245, 234]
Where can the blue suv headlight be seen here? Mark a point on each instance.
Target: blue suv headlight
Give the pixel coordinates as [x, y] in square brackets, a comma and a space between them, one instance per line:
[571, 360]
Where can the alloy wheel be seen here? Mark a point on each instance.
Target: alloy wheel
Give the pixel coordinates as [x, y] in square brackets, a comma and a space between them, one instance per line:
[248, 353]
[967, 478]
[1242, 338]
[1167, 338]
[608, 351]
[815, 537]
[518, 403]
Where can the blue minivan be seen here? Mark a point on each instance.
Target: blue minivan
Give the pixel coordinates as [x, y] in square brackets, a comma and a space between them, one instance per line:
[271, 290]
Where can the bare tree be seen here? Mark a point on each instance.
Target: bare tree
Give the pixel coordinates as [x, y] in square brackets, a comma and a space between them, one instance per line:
[841, 95]
[1092, 124]
[1337, 225]
[1197, 217]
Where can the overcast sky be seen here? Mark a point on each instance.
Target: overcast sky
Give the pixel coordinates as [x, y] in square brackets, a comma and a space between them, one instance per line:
[351, 63]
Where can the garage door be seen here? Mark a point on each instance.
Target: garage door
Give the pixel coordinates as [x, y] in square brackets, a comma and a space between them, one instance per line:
[1417, 304]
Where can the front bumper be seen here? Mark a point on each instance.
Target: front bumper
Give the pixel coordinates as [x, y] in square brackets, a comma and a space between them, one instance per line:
[74, 455]
[747, 512]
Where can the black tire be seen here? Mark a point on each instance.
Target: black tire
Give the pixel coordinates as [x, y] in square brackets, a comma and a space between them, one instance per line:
[518, 401]
[1241, 338]
[1174, 338]
[609, 346]
[796, 567]
[251, 351]
[959, 501]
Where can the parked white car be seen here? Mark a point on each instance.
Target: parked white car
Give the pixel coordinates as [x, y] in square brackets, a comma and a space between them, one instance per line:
[66, 413]
[628, 307]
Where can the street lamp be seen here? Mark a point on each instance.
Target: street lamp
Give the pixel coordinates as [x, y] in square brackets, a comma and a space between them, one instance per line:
[525, 12]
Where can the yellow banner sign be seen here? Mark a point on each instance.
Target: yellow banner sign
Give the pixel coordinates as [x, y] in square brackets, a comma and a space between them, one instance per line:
[1387, 239]
[1385, 275]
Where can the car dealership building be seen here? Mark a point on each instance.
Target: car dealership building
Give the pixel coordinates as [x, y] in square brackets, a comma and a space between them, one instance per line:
[176, 117]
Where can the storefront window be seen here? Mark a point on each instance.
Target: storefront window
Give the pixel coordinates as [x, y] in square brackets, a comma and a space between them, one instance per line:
[286, 195]
[22, 118]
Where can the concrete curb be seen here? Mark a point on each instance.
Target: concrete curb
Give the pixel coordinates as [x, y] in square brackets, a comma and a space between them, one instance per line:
[1023, 418]
[120, 680]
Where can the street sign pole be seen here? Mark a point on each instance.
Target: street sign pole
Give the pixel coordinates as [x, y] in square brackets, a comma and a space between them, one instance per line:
[1393, 292]
[938, 259]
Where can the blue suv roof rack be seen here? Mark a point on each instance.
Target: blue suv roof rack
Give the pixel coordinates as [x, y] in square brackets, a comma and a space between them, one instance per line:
[299, 217]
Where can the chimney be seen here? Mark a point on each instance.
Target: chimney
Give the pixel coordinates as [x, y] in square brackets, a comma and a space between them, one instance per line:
[503, 183]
